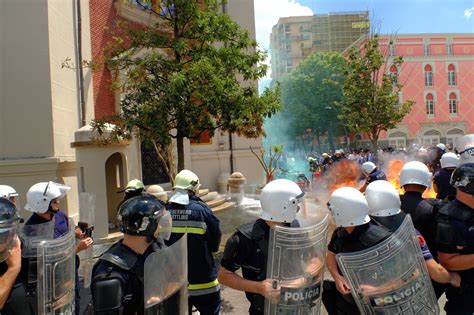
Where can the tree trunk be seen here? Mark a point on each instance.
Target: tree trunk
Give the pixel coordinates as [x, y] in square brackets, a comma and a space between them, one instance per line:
[231, 149]
[166, 156]
[180, 147]
[374, 142]
[330, 138]
[318, 138]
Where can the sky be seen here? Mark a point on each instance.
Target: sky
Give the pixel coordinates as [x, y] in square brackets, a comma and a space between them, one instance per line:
[394, 16]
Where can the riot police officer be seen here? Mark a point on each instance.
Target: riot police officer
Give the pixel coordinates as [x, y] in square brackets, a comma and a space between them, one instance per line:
[415, 178]
[441, 179]
[384, 209]
[354, 232]
[117, 278]
[9, 193]
[10, 252]
[372, 173]
[247, 248]
[192, 216]
[455, 240]
[43, 200]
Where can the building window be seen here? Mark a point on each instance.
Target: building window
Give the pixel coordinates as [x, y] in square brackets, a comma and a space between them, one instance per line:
[288, 47]
[429, 101]
[287, 28]
[452, 135]
[431, 137]
[305, 37]
[453, 104]
[428, 75]
[426, 50]
[397, 140]
[394, 74]
[391, 50]
[451, 75]
[449, 50]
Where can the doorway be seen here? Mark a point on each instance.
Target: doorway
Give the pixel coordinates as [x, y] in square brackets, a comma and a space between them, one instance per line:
[115, 181]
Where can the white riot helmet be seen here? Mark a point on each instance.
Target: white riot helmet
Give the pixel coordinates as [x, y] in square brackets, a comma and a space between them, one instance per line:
[348, 207]
[441, 146]
[368, 167]
[415, 172]
[383, 199]
[465, 147]
[8, 192]
[281, 200]
[449, 159]
[39, 195]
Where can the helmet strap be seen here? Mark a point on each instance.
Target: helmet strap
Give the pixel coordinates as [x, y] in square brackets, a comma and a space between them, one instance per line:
[151, 238]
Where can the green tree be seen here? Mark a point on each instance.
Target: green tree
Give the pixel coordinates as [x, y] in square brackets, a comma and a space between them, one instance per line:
[193, 72]
[371, 95]
[309, 94]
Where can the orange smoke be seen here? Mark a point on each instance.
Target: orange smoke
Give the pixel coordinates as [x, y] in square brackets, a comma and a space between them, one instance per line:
[342, 174]
[393, 176]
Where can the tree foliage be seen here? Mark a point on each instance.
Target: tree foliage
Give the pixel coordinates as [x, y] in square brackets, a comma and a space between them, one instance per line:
[309, 94]
[371, 96]
[193, 72]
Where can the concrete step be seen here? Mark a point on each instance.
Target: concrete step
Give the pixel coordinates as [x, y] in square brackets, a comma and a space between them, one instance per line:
[216, 202]
[225, 206]
[203, 192]
[210, 196]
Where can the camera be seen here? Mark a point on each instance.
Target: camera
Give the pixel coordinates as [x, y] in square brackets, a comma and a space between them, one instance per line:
[85, 228]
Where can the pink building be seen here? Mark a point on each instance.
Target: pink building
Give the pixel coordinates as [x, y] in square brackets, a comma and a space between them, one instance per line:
[438, 74]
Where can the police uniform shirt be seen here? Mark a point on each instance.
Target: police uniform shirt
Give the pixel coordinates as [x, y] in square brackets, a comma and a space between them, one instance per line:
[458, 239]
[422, 213]
[242, 252]
[61, 223]
[376, 175]
[424, 247]
[464, 233]
[441, 180]
[342, 242]
[3, 268]
[133, 278]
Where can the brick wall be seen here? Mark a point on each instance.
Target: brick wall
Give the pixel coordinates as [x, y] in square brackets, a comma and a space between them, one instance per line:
[102, 18]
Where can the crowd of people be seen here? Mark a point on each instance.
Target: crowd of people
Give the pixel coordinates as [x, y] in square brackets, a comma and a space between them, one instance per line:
[406, 250]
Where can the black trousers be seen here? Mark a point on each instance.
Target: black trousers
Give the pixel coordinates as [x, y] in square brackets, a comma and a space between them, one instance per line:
[209, 304]
[335, 302]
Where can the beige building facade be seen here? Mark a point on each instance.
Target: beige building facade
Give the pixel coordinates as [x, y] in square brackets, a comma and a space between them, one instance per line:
[41, 134]
[38, 98]
[295, 38]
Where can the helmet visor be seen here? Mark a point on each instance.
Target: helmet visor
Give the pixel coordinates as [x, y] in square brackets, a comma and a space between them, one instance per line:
[164, 225]
[301, 205]
[7, 239]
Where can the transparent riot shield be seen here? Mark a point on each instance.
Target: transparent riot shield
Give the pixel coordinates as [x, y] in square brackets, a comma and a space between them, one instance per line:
[391, 277]
[296, 259]
[86, 224]
[166, 280]
[56, 274]
[32, 235]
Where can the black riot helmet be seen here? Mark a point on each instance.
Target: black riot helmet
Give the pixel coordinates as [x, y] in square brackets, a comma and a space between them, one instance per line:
[9, 220]
[463, 178]
[142, 215]
[8, 212]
